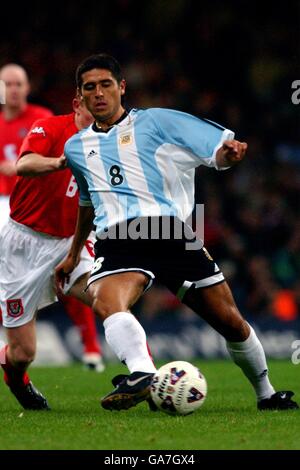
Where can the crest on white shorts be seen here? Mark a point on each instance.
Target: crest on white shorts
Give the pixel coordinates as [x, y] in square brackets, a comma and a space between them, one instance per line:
[14, 308]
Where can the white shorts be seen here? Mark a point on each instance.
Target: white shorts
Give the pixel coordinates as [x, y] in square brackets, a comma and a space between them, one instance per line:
[4, 210]
[27, 262]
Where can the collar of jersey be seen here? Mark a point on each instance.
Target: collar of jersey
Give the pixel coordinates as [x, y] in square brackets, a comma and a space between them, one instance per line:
[98, 129]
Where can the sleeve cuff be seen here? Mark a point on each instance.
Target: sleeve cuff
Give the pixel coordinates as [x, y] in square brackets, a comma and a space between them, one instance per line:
[227, 135]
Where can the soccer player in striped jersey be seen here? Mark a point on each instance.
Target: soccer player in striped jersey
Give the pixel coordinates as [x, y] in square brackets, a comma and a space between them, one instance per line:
[135, 170]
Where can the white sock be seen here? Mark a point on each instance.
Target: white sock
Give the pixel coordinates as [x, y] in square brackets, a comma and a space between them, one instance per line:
[250, 357]
[127, 338]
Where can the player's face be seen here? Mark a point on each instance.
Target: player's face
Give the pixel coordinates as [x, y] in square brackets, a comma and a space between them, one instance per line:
[102, 95]
[16, 87]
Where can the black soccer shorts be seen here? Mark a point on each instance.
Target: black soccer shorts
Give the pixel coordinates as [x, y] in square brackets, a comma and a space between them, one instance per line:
[170, 262]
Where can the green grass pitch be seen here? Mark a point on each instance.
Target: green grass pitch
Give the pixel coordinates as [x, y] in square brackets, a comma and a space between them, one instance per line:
[227, 420]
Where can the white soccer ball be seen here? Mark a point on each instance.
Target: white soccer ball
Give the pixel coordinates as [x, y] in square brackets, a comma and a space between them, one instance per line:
[178, 388]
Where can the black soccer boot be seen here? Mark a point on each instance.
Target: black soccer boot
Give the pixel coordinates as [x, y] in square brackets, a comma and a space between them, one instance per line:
[29, 397]
[278, 401]
[118, 378]
[130, 391]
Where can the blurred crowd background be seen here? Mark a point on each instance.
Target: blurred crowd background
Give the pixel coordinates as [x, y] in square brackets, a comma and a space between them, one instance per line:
[232, 62]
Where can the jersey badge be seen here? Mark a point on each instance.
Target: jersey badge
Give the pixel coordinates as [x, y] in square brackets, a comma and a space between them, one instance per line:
[125, 139]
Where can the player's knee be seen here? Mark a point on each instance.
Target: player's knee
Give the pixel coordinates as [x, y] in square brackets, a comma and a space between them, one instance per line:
[22, 354]
[104, 309]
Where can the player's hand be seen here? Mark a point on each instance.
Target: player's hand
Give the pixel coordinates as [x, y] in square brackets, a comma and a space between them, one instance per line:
[61, 162]
[231, 152]
[62, 273]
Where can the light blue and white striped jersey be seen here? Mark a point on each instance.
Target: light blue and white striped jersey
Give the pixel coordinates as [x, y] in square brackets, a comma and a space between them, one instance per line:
[144, 165]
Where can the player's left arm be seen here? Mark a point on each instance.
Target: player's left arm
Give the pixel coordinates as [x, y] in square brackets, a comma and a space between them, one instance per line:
[230, 153]
[205, 142]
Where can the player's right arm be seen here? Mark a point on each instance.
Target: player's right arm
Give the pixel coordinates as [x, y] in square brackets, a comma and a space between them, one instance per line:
[35, 157]
[84, 226]
[34, 164]
[7, 168]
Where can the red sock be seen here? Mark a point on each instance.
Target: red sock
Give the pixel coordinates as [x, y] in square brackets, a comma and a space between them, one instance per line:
[12, 375]
[84, 318]
[150, 353]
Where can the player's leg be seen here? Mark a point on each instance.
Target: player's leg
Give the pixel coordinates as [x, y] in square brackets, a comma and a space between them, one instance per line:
[135, 353]
[113, 296]
[84, 319]
[77, 287]
[115, 284]
[197, 280]
[21, 348]
[216, 305]
[28, 259]
[77, 304]
[18, 355]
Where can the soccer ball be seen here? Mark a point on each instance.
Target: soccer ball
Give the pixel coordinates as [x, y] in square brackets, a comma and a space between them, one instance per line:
[178, 388]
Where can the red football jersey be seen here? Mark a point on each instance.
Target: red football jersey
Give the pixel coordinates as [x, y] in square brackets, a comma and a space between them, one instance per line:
[12, 134]
[47, 203]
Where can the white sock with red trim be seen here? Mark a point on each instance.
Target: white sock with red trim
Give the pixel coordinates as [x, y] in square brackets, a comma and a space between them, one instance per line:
[127, 338]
